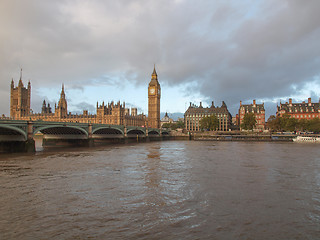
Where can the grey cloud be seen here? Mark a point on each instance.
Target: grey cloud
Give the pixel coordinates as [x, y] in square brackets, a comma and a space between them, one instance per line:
[234, 50]
[84, 106]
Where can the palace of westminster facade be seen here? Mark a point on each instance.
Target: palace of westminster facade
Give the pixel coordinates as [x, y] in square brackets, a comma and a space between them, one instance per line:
[111, 113]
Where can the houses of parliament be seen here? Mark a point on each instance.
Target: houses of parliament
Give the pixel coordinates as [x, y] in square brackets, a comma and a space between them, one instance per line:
[111, 113]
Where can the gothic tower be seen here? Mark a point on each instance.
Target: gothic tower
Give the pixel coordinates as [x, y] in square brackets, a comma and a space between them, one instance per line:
[62, 111]
[154, 94]
[20, 99]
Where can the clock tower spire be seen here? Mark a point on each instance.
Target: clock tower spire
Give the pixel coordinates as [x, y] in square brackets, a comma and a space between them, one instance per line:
[154, 94]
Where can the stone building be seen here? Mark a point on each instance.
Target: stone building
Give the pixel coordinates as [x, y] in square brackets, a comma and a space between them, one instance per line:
[154, 95]
[258, 111]
[45, 109]
[194, 114]
[110, 113]
[302, 110]
[20, 99]
[166, 119]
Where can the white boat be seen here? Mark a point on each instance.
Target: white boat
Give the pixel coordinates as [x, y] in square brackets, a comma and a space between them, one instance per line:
[306, 139]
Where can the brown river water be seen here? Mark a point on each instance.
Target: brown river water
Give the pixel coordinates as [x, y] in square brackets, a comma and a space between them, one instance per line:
[163, 190]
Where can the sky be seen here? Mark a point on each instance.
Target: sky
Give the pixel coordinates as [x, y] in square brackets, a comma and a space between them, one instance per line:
[206, 50]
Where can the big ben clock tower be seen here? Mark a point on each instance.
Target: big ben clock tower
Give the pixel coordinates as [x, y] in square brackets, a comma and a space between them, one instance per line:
[154, 94]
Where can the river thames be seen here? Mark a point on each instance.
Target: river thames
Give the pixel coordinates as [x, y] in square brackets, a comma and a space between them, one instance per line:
[163, 190]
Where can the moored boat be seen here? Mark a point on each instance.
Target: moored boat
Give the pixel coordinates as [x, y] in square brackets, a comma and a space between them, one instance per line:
[307, 139]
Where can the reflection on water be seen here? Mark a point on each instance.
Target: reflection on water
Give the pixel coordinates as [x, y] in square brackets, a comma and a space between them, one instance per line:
[163, 190]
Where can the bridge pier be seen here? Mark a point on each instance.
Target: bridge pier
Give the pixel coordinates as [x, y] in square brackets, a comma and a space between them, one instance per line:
[30, 144]
[90, 138]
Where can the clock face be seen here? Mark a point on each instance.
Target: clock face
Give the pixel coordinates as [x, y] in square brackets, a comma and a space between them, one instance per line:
[151, 90]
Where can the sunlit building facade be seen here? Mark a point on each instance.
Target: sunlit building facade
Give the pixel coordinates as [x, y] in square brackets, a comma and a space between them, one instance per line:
[110, 113]
[258, 111]
[194, 114]
[303, 110]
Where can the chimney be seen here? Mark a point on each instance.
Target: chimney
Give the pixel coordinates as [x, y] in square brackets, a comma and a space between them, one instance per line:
[212, 104]
[309, 100]
[190, 104]
[240, 103]
[290, 101]
[254, 102]
[201, 104]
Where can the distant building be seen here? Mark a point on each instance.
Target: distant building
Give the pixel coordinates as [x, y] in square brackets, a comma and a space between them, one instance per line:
[110, 113]
[154, 95]
[302, 110]
[45, 109]
[194, 114]
[166, 119]
[258, 111]
[20, 99]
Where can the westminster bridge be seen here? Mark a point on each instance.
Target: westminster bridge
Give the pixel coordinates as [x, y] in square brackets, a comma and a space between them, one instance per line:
[18, 135]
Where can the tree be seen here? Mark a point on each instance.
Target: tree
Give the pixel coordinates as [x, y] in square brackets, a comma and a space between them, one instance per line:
[166, 125]
[209, 123]
[249, 121]
[173, 126]
[314, 125]
[303, 124]
[273, 123]
[179, 124]
[291, 124]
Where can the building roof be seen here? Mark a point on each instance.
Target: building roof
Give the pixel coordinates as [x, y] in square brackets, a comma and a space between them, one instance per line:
[193, 109]
[299, 107]
[166, 118]
[154, 78]
[255, 108]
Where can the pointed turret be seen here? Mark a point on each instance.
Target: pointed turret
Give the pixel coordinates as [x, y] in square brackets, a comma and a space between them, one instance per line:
[154, 70]
[62, 89]
[62, 110]
[12, 83]
[154, 77]
[20, 84]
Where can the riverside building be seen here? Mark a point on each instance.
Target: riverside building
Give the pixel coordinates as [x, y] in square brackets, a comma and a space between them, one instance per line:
[111, 113]
[194, 114]
[258, 111]
[301, 110]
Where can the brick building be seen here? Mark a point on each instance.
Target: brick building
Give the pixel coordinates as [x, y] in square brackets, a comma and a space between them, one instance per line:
[194, 114]
[258, 111]
[302, 110]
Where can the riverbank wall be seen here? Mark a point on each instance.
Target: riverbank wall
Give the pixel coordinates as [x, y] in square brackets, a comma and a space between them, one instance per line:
[231, 136]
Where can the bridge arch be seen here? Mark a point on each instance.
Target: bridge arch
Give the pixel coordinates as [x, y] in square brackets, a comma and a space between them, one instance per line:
[59, 129]
[135, 132]
[11, 130]
[153, 133]
[107, 130]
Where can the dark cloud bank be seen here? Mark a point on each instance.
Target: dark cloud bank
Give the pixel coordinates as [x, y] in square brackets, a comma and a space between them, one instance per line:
[231, 50]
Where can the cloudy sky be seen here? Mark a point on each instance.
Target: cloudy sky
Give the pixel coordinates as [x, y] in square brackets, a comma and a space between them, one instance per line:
[203, 50]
